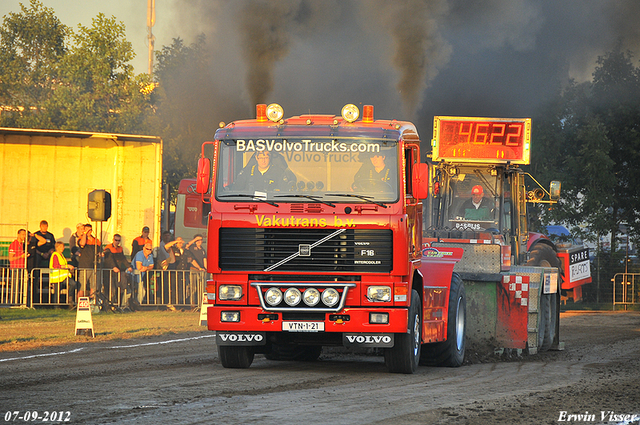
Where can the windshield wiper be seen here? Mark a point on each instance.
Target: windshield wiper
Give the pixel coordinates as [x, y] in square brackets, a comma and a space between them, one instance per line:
[313, 198]
[363, 197]
[254, 197]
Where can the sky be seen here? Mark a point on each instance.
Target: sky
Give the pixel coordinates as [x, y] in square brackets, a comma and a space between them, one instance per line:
[411, 59]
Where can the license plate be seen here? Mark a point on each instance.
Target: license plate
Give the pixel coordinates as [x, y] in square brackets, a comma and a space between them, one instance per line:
[303, 326]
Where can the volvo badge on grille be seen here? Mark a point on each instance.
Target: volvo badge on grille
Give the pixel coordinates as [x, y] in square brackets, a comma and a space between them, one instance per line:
[304, 249]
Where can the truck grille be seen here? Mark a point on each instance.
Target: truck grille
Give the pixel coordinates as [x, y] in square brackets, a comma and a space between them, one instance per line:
[349, 250]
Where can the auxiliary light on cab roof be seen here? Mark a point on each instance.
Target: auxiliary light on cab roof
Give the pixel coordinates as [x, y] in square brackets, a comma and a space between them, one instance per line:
[367, 113]
[350, 112]
[261, 112]
[275, 112]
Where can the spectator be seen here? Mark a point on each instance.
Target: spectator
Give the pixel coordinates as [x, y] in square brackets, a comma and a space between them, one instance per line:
[164, 259]
[139, 242]
[73, 244]
[117, 265]
[142, 262]
[198, 269]
[17, 254]
[46, 244]
[32, 257]
[18, 262]
[89, 248]
[184, 261]
[61, 273]
[184, 258]
[198, 253]
[165, 254]
[32, 264]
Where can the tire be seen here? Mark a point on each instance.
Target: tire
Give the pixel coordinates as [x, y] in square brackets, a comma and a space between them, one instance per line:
[303, 353]
[543, 255]
[450, 353]
[235, 357]
[405, 354]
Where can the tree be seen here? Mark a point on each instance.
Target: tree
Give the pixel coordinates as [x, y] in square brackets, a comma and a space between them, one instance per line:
[98, 90]
[32, 43]
[53, 78]
[589, 137]
[186, 101]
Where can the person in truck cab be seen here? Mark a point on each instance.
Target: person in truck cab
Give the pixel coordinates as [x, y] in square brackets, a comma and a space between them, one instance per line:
[375, 175]
[477, 207]
[262, 174]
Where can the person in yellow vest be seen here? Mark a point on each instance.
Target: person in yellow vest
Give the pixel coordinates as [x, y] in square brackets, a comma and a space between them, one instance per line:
[61, 273]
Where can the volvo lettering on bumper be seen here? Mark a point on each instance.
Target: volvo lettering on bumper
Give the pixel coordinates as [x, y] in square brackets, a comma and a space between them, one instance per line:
[368, 340]
[241, 338]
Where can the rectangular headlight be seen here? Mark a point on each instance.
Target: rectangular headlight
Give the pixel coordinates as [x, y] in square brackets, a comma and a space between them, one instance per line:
[379, 293]
[230, 316]
[379, 318]
[229, 292]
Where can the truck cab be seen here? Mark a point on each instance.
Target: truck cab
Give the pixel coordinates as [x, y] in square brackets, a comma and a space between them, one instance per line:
[315, 239]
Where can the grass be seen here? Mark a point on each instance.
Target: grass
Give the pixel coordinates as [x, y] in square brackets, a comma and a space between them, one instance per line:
[22, 329]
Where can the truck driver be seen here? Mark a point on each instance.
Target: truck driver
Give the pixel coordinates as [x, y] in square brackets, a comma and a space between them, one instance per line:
[477, 207]
[260, 174]
[375, 175]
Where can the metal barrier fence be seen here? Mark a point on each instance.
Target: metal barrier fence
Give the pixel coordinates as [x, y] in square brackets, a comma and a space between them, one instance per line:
[180, 288]
[625, 289]
[13, 284]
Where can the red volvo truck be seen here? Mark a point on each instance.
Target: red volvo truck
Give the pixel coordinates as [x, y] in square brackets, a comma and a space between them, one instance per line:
[315, 238]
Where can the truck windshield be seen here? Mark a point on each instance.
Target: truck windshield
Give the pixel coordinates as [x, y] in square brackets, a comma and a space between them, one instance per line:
[312, 170]
[474, 200]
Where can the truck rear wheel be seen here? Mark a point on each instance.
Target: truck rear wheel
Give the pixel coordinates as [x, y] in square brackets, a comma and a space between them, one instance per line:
[236, 357]
[405, 354]
[542, 255]
[450, 353]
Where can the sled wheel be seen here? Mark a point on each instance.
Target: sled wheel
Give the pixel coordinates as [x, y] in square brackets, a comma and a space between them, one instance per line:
[236, 357]
[450, 353]
[405, 354]
[543, 255]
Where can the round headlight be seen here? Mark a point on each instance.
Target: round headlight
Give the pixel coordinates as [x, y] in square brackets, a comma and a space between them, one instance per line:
[350, 112]
[292, 296]
[330, 297]
[273, 296]
[275, 112]
[311, 297]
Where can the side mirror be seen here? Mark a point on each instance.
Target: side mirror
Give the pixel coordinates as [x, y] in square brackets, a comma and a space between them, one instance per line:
[554, 190]
[203, 178]
[420, 182]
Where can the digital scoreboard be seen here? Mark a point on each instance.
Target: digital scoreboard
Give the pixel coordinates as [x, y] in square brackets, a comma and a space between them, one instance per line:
[470, 139]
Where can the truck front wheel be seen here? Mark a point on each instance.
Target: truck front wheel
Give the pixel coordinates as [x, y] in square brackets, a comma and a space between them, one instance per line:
[450, 353]
[405, 354]
[236, 357]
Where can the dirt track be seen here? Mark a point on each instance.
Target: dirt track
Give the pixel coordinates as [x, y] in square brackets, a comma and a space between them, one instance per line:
[178, 379]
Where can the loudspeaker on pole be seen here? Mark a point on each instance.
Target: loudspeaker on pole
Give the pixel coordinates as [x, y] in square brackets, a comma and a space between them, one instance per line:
[99, 205]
